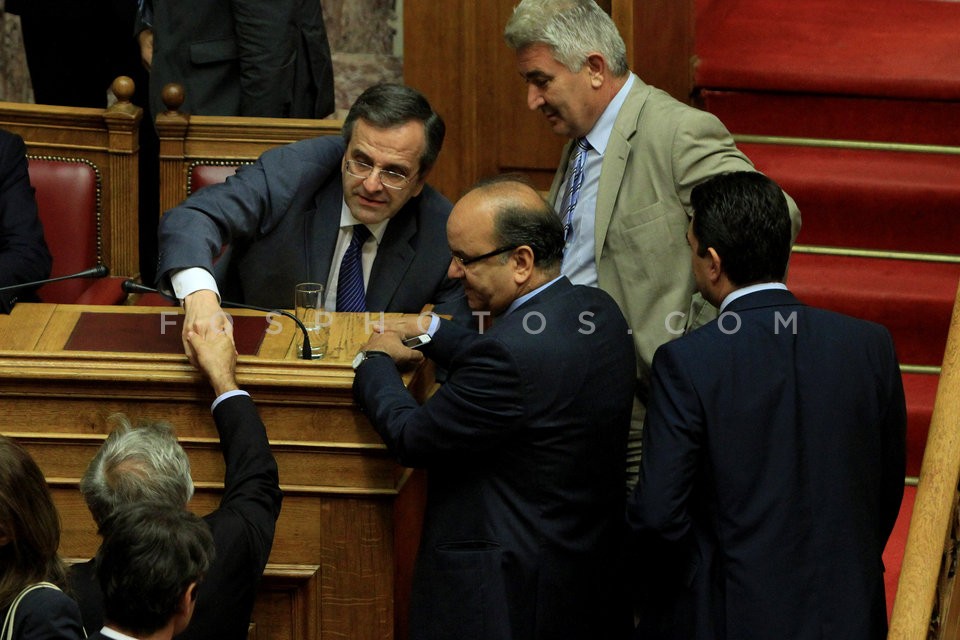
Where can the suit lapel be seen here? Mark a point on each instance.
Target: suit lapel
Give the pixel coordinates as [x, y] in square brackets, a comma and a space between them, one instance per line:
[394, 257]
[320, 234]
[615, 161]
[558, 176]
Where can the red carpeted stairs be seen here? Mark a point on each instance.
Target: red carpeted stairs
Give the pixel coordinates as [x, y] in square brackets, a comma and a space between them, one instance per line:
[854, 108]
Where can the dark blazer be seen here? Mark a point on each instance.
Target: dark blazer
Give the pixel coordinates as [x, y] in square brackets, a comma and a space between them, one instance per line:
[24, 256]
[281, 217]
[772, 472]
[44, 614]
[243, 527]
[243, 57]
[524, 444]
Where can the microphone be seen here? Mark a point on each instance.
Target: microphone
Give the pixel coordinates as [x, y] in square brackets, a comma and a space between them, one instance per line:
[99, 271]
[132, 286]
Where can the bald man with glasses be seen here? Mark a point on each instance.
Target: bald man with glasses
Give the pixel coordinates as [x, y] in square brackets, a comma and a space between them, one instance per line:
[307, 211]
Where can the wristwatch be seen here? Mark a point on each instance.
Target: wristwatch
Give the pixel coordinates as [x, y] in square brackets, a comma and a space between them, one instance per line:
[363, 356]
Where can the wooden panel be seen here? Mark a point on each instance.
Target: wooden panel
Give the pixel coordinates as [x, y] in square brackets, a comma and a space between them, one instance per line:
[662, 42]
[342, 557]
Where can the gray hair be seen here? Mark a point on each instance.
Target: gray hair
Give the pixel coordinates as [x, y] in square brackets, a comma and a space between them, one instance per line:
[572, 29]
[142, 463]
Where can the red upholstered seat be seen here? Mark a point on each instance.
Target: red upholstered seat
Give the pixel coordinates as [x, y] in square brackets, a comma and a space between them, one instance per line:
[68, 201]
[202, 175]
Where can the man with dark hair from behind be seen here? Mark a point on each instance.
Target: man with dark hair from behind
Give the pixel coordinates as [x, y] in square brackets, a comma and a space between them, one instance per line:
[774, 448]
[152, 558]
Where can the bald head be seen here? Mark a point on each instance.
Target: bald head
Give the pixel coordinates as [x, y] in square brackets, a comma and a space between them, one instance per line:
[506, 241]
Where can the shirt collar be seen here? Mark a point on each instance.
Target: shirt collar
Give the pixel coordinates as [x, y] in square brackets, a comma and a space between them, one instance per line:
[347, 220]
[113, 633]
[519, 301]
[753, 288]
[599, 136]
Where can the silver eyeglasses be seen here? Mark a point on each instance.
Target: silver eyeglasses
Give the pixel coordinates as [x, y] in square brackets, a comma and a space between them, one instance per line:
[390, 179]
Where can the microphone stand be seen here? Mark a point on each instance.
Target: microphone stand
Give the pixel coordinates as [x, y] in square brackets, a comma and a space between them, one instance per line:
[132, 286]
[98, 271]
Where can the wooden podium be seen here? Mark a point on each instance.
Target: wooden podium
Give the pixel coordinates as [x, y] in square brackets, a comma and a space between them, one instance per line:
[350, 523]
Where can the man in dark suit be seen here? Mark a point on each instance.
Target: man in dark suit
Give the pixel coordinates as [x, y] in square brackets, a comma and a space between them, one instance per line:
[524, 442]
[24, 256]
[146, 463]
[773, 452]
[292, 215]
[151, 561]
[239, 57]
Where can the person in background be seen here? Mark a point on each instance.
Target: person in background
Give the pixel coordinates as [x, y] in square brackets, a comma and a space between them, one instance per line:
[523, 443]
[75, 48]
[151, 561]
[31, 573]
[239, 57]
[146, 463]
[623, 185]
[774, 449]
[24, 256]
[311, 210]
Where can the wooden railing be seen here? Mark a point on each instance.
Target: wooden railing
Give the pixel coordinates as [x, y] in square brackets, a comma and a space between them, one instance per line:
[927, 604]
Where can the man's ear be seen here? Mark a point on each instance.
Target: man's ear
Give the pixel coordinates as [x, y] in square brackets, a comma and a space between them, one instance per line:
[715, 268]
[4, 539]
[185, 606]
[522, 264]
[596, 66]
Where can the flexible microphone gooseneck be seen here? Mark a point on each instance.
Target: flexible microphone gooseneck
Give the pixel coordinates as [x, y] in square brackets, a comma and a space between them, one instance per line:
[99, 271]
[132, 286]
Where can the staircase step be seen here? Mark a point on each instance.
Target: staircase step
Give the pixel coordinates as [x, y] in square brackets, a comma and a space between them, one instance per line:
[803, 115]
[913, 299]
[920, 391]
[866, 198]
[855, 47]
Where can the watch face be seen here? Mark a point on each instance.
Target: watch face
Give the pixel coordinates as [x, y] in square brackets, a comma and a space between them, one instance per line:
[357, 359]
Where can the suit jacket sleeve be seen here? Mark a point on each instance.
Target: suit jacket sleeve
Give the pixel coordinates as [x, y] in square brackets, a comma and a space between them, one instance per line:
[477, 407]
[251, 486]
[893, 429]
[24, 256]
[672, 439]
[246, 206]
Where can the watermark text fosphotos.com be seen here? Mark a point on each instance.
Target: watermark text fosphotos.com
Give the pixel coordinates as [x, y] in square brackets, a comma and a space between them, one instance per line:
[533, 322]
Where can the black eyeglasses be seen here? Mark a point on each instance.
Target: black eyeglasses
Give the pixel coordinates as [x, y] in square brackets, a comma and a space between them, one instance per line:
[465, 261]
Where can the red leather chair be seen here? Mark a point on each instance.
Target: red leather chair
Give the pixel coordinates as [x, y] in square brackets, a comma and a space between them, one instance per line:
[68, 195]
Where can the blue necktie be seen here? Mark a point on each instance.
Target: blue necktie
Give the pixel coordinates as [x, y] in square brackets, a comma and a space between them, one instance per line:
[572, 194]
[350, 293]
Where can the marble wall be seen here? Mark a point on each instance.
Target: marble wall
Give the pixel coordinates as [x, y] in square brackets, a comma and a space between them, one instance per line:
[366, 39]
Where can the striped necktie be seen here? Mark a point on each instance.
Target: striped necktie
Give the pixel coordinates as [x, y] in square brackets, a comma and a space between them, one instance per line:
[572, 193]
[350, 293]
